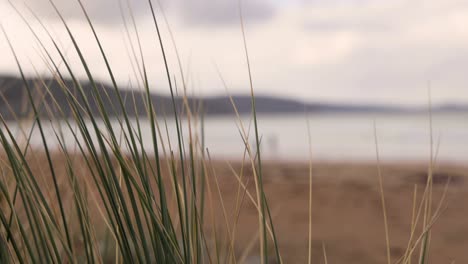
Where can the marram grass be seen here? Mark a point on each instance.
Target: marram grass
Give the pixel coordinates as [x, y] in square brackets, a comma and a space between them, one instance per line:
[114, 201]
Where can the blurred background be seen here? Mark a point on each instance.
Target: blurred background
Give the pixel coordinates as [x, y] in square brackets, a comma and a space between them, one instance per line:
[359, 60]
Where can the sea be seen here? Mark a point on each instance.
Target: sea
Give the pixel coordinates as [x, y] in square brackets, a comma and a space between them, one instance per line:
[321, 137]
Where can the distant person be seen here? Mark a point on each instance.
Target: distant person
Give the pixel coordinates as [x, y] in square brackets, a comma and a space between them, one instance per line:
[273, 144]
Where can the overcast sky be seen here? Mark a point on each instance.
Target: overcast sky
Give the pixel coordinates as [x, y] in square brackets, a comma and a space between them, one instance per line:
[317, 50]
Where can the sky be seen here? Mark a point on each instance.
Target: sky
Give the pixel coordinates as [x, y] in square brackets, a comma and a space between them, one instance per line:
[351, 51]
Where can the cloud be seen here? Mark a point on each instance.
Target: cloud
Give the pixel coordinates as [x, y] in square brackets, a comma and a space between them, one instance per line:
[191, 12]
[101, 11]
[223, 12]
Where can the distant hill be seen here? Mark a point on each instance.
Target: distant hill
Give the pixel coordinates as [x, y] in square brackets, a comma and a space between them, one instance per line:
[14, 101]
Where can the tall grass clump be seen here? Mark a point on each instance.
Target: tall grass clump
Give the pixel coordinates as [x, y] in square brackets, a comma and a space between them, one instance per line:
[103, 196]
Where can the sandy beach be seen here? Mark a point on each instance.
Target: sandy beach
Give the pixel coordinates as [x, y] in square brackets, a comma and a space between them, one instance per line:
[347, 215]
